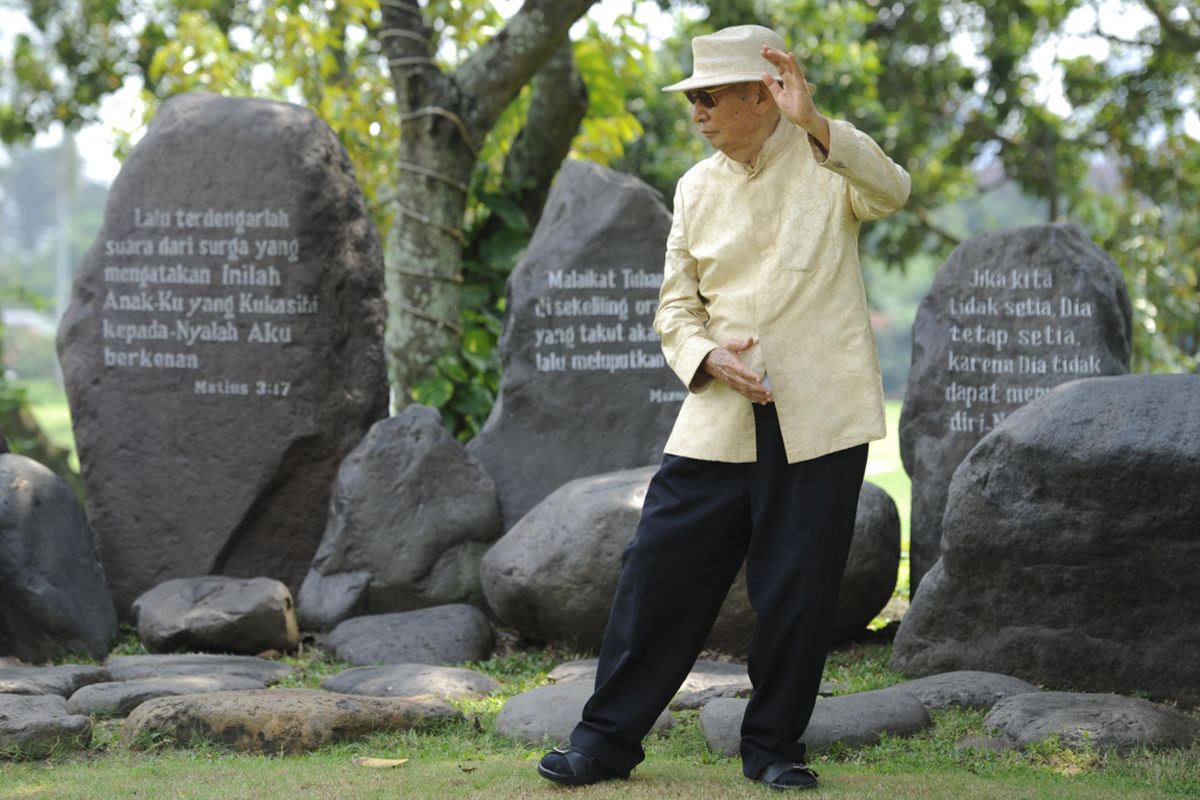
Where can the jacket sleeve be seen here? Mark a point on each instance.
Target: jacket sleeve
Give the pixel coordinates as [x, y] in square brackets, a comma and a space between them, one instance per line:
[877, 185]
[681, 319]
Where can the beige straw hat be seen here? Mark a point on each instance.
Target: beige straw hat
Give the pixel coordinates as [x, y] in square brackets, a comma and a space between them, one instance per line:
[731, 55]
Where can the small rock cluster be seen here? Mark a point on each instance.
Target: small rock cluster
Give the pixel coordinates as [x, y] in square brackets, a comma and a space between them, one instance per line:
[224, 699]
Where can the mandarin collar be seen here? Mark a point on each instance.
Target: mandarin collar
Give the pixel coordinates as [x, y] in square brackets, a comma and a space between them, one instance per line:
[776, 142]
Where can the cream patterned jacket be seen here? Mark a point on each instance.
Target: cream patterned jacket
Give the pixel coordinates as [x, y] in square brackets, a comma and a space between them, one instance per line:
[772, 252]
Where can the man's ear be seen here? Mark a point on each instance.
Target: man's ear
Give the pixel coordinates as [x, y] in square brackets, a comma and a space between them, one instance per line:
[764, 101]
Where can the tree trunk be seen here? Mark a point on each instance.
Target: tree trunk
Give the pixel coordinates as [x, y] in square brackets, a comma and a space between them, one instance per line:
[444, 118]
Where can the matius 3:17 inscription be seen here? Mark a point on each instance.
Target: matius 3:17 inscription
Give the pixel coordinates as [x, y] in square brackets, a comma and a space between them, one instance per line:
[223, 347]
[1010, 315]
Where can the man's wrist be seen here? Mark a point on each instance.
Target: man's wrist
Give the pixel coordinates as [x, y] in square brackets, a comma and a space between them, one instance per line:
[818, 128]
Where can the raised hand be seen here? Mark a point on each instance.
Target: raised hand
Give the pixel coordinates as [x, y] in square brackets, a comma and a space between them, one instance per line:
[794, 95]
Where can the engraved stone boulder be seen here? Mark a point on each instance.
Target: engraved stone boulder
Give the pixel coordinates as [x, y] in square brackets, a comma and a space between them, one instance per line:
[216, 613]
[53, 596]
[1010, 315]
[223, 348]
[411, 516]
[553, 575]
[586, 389]
[1070, 546]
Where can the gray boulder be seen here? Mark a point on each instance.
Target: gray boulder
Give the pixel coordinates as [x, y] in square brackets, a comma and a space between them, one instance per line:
[411, 516]
[1010, 315]
[553, 575]
[441, 635]
[39, 726]
[212, 612]
[276, 721]
[62, 680]
[223, 348]
[965, 689]
[585, 388]
[853, 720]
[119, 698]
[1070, 544]
[407, 680]
[548, 714]
[1100, 721]
[53, 596]
[132, 668]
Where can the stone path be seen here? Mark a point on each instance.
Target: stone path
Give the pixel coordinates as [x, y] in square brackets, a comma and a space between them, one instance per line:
[547, 714]
[223, 699]
[853, 720]
[119, 698]
[61, 680]
[406, 680]
[128, 668]
[36, 726]
[965, 689]
[277, 721]
[1101, 721]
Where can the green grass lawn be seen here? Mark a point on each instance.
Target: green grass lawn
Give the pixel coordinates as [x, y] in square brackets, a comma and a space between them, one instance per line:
[465, 758]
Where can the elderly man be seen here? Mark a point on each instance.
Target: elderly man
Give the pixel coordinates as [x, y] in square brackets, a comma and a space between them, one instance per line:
[764, 318]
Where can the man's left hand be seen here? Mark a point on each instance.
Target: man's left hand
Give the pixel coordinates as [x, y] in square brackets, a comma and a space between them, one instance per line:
[793, 95]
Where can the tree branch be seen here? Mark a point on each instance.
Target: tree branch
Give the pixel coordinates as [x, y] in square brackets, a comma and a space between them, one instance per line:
[923, 214]
[495, 73]
[1170, 29]
[1097, 31]
[556, 107]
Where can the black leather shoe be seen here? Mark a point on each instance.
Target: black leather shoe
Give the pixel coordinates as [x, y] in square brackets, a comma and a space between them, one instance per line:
[788, 775]
[574, 768]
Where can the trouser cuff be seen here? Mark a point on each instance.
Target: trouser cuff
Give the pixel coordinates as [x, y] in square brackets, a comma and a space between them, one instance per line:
[612, 754]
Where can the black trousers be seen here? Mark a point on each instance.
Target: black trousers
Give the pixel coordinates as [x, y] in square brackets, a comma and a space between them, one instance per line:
[792, 524]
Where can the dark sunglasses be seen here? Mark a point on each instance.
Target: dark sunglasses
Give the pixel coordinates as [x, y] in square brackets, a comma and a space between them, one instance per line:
[705, 96]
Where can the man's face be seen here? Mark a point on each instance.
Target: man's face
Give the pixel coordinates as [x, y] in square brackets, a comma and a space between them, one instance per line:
[733, 121]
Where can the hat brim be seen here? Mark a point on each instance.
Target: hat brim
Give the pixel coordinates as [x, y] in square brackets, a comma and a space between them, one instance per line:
[717, 80]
